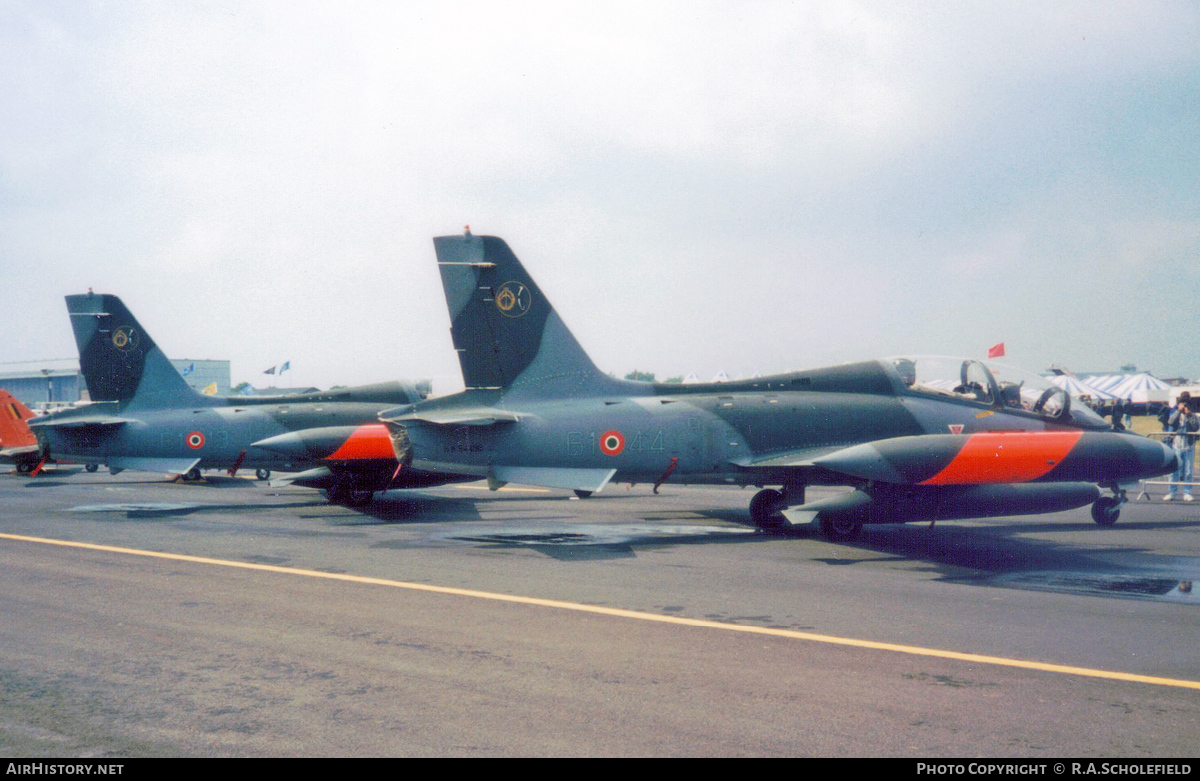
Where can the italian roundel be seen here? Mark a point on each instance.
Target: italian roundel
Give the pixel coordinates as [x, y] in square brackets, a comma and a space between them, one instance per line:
[195, 440]
[612, 443]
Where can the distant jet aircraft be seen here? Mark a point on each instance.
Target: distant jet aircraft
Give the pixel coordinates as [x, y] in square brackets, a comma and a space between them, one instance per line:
[18, 445]
[916, 439]
[144, 416]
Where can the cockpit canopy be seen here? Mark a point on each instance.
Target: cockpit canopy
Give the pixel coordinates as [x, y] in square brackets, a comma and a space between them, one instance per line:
[992, 384]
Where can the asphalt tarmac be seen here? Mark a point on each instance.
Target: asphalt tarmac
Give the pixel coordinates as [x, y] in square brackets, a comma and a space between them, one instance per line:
[226, 618]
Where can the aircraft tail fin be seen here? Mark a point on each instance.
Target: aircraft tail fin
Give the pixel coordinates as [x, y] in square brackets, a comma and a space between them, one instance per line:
[118, 359]
[14, 431]
[506, 332]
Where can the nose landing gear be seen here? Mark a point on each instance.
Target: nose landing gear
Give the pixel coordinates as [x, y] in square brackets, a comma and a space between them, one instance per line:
[1107, 509]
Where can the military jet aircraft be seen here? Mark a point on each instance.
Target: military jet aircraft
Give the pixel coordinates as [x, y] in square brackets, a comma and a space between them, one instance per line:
[144, 416]
[18, 445]
[912, 438]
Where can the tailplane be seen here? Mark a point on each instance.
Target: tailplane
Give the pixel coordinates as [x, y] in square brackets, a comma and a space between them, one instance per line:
[507, 334]
[118, 359]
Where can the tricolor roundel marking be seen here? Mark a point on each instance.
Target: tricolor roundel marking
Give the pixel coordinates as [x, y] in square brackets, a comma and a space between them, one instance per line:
[195, 440]
[612, 443]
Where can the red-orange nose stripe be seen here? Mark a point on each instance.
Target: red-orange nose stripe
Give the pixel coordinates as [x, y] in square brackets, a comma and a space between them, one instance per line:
[1006, 457]
[367, 442]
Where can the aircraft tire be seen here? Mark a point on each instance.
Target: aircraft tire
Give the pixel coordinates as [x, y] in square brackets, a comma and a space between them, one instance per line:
[192, 475]
[262, 474]
[92, 467]
[1106, 510]
[765, 508]
[582, 494]
[840, 529]
[24, 468]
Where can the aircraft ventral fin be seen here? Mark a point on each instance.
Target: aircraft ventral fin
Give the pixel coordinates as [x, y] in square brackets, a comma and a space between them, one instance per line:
[807, 513]
[318, 473]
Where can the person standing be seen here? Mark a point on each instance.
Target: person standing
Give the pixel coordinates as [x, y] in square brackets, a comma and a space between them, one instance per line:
[1116, 412]
[1183, 423]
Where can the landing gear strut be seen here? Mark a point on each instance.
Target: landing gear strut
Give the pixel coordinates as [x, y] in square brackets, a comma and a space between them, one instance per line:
[1107, 509]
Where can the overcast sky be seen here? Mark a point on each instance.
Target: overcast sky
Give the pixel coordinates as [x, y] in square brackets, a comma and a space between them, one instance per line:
[745, 186]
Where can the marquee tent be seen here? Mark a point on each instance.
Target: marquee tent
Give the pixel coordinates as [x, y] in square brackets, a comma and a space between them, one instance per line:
[1076, 388]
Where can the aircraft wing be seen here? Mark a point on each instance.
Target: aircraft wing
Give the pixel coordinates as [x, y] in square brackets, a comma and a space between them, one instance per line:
[455, 416]
[551, 477]
[80, 422]
[791, 458]
[170, 466]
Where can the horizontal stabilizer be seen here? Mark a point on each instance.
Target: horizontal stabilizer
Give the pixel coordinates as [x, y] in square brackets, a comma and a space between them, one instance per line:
[552, 477]
[13, 452]
[454, 416]
[807, 513]
[170, 466]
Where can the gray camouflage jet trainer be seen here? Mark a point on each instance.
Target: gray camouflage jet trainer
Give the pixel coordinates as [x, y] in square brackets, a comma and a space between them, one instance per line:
[914, 438]
[144, 416]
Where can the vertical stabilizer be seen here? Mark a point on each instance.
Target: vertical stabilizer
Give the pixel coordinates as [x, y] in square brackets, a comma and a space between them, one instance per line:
[118, 359]
[14, 431]
[507, 334]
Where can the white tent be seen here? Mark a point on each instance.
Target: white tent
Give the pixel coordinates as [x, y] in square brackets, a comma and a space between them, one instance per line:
[1104, 381]
[1077, 388]
[1141, 388]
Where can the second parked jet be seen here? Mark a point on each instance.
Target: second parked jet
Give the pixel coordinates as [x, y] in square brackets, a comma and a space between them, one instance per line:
[144, 416]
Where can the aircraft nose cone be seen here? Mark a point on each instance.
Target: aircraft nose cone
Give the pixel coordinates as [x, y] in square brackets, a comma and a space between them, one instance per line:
[1171, 459]
[1154, 457]
[289, 445]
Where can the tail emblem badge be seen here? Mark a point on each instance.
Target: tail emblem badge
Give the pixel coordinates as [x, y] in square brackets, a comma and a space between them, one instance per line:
[125, 338]
[513, 299]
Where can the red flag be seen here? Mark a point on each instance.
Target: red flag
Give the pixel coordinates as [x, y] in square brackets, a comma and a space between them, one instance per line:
[996, 350]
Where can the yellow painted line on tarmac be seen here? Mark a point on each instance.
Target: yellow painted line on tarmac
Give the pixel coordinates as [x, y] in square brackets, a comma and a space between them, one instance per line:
[999, 661]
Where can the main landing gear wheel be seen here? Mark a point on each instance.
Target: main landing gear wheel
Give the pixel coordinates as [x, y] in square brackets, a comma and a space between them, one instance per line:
[92, 467]
[1106, 510]
[582, 494]
[765, 509]
[24, 468]
[840, 529]
[349, 496]
[262, 474]
[192, 475]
